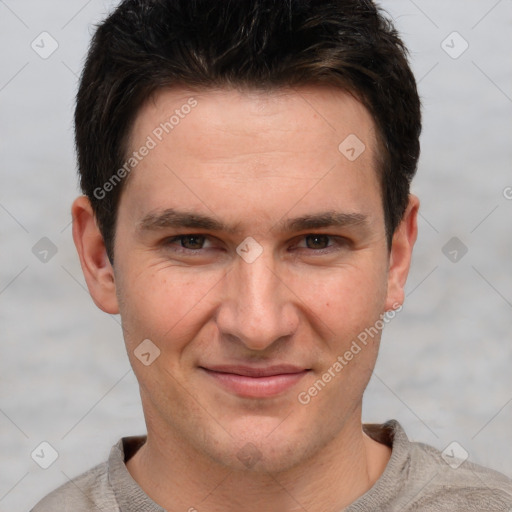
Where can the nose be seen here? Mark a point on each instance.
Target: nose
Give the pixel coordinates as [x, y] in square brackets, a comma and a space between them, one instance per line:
[257, 306]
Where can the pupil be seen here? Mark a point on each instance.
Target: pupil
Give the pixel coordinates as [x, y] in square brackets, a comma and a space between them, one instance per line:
[317, 241]
[192, 242]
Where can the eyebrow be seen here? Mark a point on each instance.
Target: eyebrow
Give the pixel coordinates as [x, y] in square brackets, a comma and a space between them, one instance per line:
[171, 218]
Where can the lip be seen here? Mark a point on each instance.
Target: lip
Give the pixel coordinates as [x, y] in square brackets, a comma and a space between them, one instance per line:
[256, 382]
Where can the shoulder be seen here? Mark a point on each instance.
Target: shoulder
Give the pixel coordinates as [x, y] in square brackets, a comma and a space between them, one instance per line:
[89, 491]
[419, 477]
[449, 483]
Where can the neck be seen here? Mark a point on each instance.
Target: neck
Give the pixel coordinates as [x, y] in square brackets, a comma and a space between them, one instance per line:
[179, 477]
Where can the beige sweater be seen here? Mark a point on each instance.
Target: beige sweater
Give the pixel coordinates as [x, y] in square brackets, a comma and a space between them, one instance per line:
[417, 478]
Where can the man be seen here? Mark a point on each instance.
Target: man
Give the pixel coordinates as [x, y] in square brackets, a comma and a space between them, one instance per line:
[246, 170]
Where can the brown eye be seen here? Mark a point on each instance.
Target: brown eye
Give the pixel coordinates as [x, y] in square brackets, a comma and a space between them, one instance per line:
[192, 241]
[317, 241]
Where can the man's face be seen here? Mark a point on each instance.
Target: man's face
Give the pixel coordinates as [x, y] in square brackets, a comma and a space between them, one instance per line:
[250, 309]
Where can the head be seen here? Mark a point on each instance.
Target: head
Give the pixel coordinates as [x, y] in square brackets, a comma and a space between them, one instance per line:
[147, 46]
[281, 137]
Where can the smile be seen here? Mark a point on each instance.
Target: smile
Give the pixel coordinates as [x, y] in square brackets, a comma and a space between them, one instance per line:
[251, 382]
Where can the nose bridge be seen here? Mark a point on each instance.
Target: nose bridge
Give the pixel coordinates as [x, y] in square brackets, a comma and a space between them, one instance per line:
[256, 309]
[258, 285]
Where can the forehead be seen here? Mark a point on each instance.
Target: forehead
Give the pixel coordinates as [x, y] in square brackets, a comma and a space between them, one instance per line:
[206, 145]
[310, 112]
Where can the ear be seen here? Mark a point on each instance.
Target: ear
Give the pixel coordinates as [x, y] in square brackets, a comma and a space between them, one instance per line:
[98, 272]
[401, 253]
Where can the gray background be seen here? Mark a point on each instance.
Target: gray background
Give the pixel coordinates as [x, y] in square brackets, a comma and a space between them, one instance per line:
[445, 365]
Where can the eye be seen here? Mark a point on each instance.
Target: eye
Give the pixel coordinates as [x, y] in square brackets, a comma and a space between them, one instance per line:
[189, 242]
[317, 241]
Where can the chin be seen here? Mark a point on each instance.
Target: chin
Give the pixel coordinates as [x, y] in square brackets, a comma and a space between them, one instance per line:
[267, 446]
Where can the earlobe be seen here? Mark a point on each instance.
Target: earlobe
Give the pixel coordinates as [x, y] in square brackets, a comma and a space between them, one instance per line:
[400, 257]
[97, 269]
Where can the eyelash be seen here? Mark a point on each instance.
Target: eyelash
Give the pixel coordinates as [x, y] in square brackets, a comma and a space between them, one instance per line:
[335, 241]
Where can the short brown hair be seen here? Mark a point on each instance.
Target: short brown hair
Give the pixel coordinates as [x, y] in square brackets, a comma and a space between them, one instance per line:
[147, 45]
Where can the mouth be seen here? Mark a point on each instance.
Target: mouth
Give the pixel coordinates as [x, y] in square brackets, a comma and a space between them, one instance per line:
[255, 382]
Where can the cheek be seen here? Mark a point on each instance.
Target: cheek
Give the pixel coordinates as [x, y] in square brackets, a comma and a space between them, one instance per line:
[171, 304]
[347, 299]
[165, 304]
[350, 306]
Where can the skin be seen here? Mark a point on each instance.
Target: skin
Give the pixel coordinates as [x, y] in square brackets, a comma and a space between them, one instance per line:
[251, 160]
